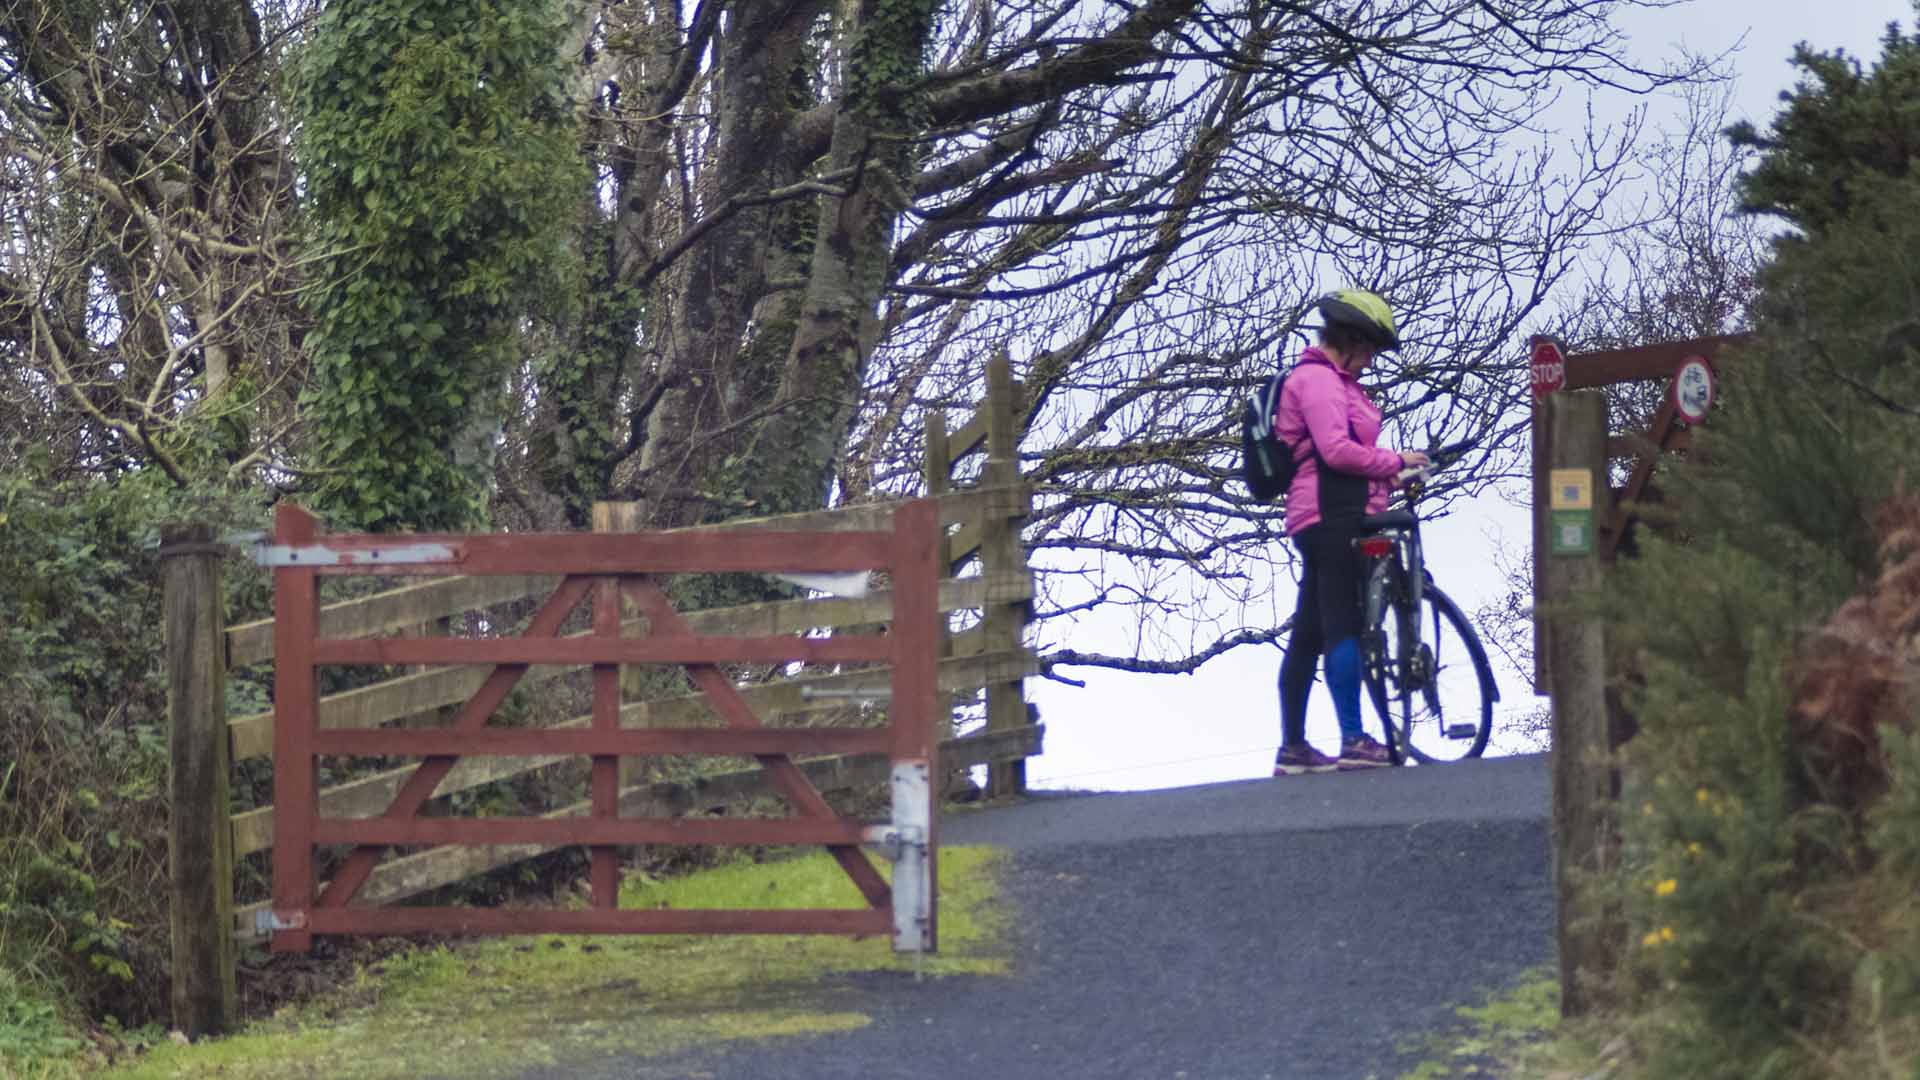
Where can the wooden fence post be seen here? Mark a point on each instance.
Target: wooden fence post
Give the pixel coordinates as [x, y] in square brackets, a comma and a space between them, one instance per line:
[1002, 555]
[200, 836]
[624, 517]
[1584, 787]
[939, 477]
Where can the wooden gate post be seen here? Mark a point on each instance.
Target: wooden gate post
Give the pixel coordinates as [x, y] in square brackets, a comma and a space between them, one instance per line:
[1584, 827]
[1001, 556]
[200, 837]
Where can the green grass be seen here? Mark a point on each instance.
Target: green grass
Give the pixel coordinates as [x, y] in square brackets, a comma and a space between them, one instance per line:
[505, 1005]
[1516, 1032]
[1518, 1035]
[36, 1041]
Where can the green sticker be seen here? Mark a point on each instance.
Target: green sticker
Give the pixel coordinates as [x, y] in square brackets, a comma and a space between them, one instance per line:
[1570, 532]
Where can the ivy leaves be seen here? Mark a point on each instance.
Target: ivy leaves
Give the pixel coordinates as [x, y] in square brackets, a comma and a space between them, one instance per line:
[441, 165]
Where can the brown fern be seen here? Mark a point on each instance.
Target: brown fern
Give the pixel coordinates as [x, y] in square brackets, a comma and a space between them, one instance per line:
[1861, 670]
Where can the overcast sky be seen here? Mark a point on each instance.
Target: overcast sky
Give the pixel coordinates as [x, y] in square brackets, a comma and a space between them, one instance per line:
[1133, 731]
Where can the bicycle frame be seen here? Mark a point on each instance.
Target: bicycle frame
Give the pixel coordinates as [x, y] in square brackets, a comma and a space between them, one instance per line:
[1401, 567]
[1413, 565]
[1397, 584]
[1404, 563]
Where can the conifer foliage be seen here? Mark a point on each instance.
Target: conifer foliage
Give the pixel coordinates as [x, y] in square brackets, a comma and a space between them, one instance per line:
[1844, 126]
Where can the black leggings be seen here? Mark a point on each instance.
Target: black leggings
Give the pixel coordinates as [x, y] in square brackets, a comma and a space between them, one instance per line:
[1328, 613]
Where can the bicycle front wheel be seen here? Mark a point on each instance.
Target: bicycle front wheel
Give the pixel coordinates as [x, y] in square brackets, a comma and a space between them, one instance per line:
[1433, 688]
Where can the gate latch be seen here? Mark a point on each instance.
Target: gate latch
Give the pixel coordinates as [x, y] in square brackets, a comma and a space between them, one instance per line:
[894, 840]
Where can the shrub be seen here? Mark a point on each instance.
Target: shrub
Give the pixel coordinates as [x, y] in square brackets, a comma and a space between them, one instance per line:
[83, 762]
[1770, 630]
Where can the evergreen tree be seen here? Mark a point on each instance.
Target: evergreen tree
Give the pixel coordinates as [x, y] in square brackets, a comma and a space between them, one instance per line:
[1840, 128]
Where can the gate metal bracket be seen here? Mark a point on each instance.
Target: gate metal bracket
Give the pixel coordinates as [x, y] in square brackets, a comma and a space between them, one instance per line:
[820, 693]
[320, 554]
[266, 921]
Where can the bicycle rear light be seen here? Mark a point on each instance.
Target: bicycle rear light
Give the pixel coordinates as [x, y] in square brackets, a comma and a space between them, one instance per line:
[1375, 547]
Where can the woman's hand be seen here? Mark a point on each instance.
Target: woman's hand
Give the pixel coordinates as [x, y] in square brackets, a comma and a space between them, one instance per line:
[1414, 459]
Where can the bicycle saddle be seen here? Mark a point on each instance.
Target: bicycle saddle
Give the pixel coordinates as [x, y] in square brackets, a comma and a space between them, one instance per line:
[1392, 519]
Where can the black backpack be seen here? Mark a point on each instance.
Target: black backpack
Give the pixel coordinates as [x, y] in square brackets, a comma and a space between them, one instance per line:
[1267, 465]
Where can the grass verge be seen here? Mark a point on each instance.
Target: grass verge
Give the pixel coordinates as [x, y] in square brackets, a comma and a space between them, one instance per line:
[1516, 1033]
[503, 1006]
[35, 1040]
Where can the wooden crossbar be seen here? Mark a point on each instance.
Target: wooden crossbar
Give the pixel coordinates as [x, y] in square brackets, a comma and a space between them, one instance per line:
[412, 875]
[437, 598]
[857, 922]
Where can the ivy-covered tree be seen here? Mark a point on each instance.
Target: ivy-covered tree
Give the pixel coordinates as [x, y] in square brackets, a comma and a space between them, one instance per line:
[441, 161]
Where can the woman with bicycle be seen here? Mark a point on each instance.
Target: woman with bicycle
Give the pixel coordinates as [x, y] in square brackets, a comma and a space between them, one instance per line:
[1333, 429]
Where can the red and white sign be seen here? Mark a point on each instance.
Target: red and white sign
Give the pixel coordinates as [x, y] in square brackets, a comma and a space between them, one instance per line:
[1549, 367]
[1693, 389]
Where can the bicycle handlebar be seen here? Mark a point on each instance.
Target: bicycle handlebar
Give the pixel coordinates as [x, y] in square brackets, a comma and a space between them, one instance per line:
[1437, 459]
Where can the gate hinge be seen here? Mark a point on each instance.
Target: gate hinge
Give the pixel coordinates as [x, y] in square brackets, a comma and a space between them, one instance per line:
[267, 921]
[319, 554]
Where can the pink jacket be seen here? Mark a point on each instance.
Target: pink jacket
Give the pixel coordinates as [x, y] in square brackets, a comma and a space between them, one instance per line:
[1322, 401]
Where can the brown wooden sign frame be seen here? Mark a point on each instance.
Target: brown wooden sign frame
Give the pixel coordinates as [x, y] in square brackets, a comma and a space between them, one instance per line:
[1666, 434]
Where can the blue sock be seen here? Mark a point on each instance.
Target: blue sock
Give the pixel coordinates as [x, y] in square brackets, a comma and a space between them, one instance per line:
[1343, 680]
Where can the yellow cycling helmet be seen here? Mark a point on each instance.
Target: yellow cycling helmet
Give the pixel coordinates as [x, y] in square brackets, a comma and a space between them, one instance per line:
[1365, 312]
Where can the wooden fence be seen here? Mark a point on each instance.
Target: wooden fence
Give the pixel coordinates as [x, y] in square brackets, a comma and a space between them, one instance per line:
[981, 524]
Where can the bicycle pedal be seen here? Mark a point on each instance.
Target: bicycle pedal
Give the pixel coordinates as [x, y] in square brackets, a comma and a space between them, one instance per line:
[1462, 731]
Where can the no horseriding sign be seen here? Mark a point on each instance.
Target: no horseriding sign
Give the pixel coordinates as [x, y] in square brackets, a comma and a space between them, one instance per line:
[1693, 389]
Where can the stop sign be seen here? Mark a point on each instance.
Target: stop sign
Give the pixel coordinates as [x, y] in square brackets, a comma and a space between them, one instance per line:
[1549, 367]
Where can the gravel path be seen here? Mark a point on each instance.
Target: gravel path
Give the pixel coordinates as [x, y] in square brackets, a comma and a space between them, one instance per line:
[1305, 928]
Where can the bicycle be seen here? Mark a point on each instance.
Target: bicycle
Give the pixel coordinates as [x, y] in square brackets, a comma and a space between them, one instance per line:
[1431, 704]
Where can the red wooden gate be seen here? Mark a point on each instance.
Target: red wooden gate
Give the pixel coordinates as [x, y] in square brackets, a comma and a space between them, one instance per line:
[606, 566]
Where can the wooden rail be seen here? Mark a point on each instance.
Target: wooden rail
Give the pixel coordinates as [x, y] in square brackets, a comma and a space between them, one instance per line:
[416, 604]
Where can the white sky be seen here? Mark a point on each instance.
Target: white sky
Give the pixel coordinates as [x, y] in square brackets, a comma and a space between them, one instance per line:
[1126, 731]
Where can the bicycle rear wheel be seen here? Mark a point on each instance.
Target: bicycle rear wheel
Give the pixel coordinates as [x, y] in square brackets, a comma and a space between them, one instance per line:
[1434, 690]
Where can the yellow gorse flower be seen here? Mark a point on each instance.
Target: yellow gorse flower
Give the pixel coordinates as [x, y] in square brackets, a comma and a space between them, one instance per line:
[1666, 888]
